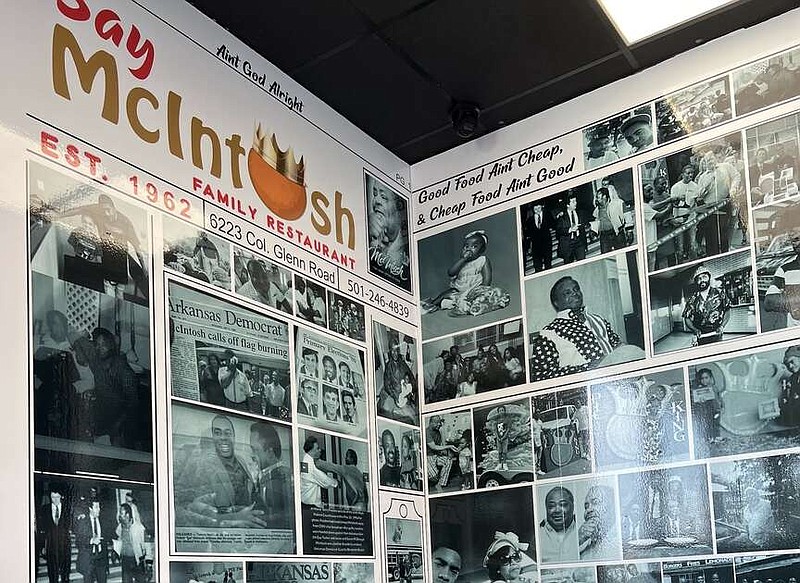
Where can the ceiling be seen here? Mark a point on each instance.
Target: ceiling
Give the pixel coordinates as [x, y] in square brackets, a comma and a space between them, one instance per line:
[395, 67]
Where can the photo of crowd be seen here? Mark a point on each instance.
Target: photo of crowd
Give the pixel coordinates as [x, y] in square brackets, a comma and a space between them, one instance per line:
[503, 444]
[694, 203]
[747, 403]
[576, 330]
[231, 474]
[469, 276]
[578, 521]
[396, 374]
[87, 237]
[474, 362]
[693, 109]
[261, 281]
[92, 386]
[195, 253]
[756, 505]
[584, 221]
[100, 531]
[399, 456]
[486, 535]
[702, 303]
[449, 454]
[702, 571]
[767, 82]
[387, 228]
[758, 568]
[772, 161]
[561, 433]
[665, 513]
[346, 317]
[640, 421]
[618, 137]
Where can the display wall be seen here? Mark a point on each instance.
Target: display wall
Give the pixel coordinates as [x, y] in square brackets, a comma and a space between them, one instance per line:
[241, 348]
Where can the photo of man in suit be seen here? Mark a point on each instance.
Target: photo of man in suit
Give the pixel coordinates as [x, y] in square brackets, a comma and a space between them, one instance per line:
[53, 524]
[92, 543]
[571, 232]
[538, 238]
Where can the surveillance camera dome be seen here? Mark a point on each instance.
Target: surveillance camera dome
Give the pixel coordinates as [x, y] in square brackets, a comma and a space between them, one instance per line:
[465, 118]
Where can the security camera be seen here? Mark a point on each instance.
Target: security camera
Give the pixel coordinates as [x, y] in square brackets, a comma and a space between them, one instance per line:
[466, 117]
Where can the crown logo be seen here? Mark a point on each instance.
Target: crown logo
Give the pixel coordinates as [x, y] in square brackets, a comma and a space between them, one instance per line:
[282, 161]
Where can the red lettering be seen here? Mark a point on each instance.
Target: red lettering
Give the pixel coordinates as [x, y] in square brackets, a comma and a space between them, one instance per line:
[93, 162]
[72, 157]
[79, 13]
[197, 183]
[146, 50]
[115, 32]
[270, 222]
[47, 143]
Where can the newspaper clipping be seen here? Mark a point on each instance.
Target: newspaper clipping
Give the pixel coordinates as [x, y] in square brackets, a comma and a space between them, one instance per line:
[240, 361]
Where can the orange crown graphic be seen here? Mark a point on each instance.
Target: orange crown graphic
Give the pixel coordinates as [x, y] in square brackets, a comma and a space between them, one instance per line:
[277, 177]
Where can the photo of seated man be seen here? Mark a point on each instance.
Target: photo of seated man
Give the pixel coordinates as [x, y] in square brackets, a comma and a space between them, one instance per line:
[767, 82]
[698, 195]
[580, 331]
[772, 161]
[702, 303]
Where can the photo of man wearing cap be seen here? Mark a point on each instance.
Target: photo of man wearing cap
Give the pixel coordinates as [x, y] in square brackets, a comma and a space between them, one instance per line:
[623, 135]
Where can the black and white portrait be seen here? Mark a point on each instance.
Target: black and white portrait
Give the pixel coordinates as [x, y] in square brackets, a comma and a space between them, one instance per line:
[399, 456]
[694, 203]
[702, 303]
[387, 228]
[665, 513]
[88, 237]
[259, 280]
[503, 444]
[766, 82]
[560, 428]
[474, 362]
[449, 452]
[396, 374]
[772, 161]
[756, 506]
[640, 421]
[469, 275]
[584, 318]
[195, 253]
[618, 137]
[693, 109]
[584, 221]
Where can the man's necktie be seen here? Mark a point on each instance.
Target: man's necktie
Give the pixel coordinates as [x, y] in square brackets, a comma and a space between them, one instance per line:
[58, 514]
[95, 534]
[313, 410]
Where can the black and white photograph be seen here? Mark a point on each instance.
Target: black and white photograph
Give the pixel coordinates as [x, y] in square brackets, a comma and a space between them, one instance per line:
[403, 553]
[665, 513]
[346, 317]
[351, 572]
[756, 506]
[92, 388]
[747, 403]
[262, 281]
[618, 137]
[484, 536]
[206, 572]
[693, 109]
[396, 374]
[469, 275]
[772, 156]
[295, 571]
[694, 203]
[503, 444]
[702, 303]
[585, 317]
[226, 355]
[399, 456]
[584, 221]
[331, 390]
[232, 484]
[387, 228]
[334, 495]
[698, 571]
[640, 421]
[196, 253]
[449, 452]
[578, 521]
[757, 568]
[569, 575]
[629, 573]
[561, 433]
[99, 530]
[310, 301]
[767, 82]
[474, 362]
[85, 236]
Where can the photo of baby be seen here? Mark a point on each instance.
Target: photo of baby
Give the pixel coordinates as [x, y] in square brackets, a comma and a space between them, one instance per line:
[469, 275]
